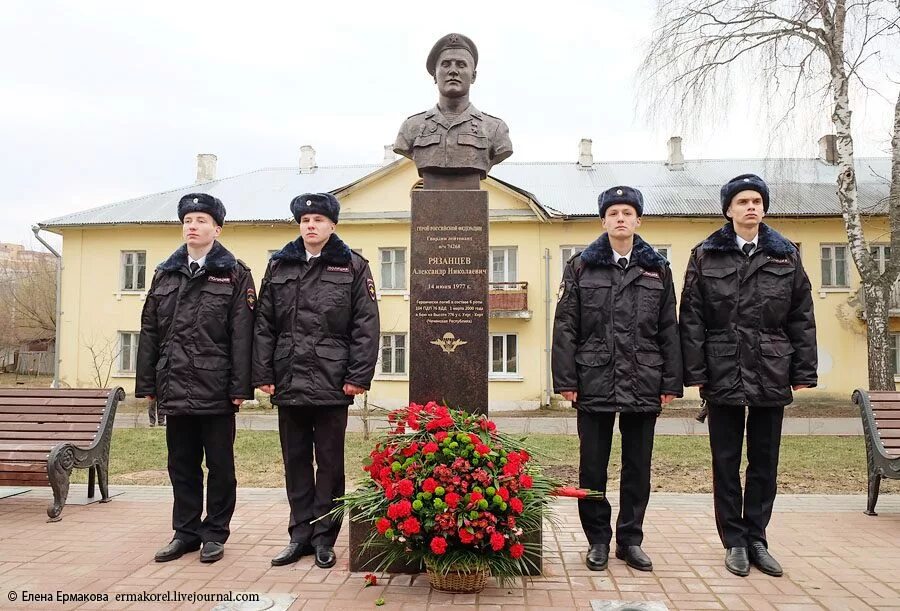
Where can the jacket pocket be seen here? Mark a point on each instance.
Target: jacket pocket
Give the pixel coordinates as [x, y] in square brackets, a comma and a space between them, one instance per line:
[775, 363]
[649, 375]
[650, 291]
[282, 363]
[479, 142]
[775, 282]
[336, 290]
[722, 367]
[332, 365]
[595, 377]
[429, 140]
[211, 377]
[596, 305]
[720, 284]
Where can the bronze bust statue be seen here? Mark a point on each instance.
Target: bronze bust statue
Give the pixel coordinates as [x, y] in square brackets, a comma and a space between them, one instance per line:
[454, 144]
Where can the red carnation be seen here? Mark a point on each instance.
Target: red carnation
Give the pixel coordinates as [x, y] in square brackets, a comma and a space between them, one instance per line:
[524, 455]
[400, 509]
[371, 580]
[511, 468]
[382, 525]
[440, 436]
[503, 493]
[476, 496]
[497, 541]
[385, 473]
[526, 481]
[513, 457]
[465, 536]
[487, 425]
[516, 550]
[430, 448]
[405, 487]
[516, 505]
[452, 499]
[411, 449]
[410, 526]
[438, 545]
[429, 485]
[482, 449]
[475, 439]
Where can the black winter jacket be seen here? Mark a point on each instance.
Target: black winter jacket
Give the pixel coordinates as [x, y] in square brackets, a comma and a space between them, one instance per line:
[196, 335]
[615, 337]
[748, 332]
[316, 325]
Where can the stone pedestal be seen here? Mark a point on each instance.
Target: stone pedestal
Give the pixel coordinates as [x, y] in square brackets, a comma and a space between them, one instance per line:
[449, 299]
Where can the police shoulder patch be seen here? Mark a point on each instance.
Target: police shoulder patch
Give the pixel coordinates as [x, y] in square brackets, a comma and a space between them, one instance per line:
[251, 298]
[562, 290]
[370, 287]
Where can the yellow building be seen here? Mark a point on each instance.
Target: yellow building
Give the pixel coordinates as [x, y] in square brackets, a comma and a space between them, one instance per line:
[540, 214]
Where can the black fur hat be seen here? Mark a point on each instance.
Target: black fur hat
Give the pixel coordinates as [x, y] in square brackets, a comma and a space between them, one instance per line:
[744, 182]
[325, 204]
[621, 195]
[202, 202]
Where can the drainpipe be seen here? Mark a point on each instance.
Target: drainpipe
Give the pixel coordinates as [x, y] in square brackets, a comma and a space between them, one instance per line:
[36, 230]
[548, 330]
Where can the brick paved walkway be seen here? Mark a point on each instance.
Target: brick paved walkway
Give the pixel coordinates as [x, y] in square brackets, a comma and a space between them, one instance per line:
[834, 558]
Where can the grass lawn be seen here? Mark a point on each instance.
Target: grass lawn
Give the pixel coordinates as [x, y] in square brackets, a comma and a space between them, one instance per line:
[680, 463]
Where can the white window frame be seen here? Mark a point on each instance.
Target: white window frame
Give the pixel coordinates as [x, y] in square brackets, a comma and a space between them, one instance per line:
[393, 263]
[133, 340]
[505, 374]
[879, 252]
[393, 374]
[565, 253]
[894, 348]
[510, 273]
[131, 270]
[832, 284]
[664, 249]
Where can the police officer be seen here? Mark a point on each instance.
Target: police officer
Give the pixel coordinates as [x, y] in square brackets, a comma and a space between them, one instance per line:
[616, 350]
[194, 360]
[454, 136]
[316, 347]
[748, 337]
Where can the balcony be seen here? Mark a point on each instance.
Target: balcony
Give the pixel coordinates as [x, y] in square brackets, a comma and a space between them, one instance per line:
[858, 300]
[509, 300]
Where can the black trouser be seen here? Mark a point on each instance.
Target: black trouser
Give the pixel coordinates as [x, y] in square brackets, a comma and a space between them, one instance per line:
[595, 435]
[311, 495]
[726, 440]
[189, 438]
[154, 415]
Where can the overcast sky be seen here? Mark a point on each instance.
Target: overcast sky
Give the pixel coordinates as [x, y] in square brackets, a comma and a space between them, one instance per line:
[102, 101]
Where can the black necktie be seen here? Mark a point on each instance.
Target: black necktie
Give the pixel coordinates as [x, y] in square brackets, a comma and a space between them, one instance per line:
[194, 267]
[748, 248]
[623, 262]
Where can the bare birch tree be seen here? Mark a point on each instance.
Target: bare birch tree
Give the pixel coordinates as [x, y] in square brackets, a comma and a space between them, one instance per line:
[792, 52]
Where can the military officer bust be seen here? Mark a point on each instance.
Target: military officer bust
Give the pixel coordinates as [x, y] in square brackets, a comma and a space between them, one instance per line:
[454, 137]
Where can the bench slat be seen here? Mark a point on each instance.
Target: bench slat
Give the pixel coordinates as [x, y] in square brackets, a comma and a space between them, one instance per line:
[23, 467]
[56, 392]
[883, 395]
[16, 479]
[55, 427]
[8, 404]
[49, 409]
[78, 436]
[24, 456]
[50, 418]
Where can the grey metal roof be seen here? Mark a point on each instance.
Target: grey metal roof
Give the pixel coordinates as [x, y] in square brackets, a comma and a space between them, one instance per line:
[799, 187]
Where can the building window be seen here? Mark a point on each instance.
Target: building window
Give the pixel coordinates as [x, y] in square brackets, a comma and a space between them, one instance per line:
[503, 264]
[882, 254]
[134, 270]
[504, 354]
[566, 253]
[834, 266]
[393, 268]
[664, 250]
[128, 346]
[393, 353]
[895, 341]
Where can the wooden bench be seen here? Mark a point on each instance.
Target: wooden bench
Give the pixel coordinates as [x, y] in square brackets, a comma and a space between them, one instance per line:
[880, 413]
[45, 433]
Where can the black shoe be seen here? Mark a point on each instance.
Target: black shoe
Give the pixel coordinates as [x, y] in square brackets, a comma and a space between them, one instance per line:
[292, 553]
[736, 561]
[597, 556]
[634, 557]
[325, 558]
[212, 551]
[175, 550]
[763, 560]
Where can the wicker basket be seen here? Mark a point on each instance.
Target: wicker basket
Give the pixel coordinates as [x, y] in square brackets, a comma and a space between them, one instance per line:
[458, 580]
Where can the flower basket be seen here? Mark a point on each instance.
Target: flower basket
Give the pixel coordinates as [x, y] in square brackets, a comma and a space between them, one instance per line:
[445, 489]
[457, 579]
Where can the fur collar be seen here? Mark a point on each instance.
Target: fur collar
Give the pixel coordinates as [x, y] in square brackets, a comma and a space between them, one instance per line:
[770, 241]
[601, 253]
[335, 252]
[218, 259]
